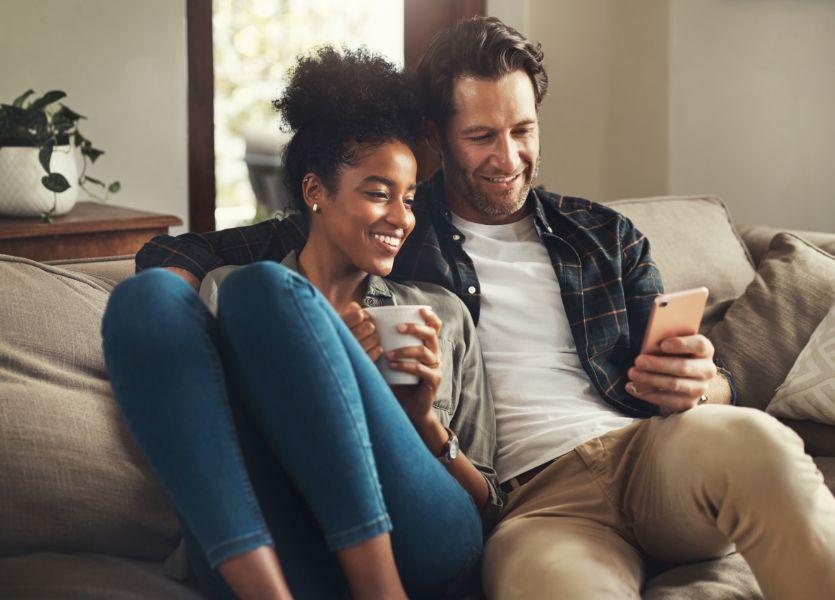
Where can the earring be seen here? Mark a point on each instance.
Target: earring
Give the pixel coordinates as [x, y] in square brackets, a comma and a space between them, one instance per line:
[315, 208]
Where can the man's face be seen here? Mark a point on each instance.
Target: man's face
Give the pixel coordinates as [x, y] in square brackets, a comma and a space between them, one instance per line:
[490, 148]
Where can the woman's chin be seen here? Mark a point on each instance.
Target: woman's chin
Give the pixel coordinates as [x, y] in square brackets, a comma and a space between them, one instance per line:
[381, 268]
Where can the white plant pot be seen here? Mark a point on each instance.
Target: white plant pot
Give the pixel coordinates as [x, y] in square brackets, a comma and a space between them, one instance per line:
[21, 192]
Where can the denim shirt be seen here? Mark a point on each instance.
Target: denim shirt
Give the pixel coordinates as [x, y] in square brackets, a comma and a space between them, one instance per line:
[463, 402]
[602, 262]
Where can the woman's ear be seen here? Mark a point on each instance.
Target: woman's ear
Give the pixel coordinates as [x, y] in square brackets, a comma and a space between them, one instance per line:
[312, 192]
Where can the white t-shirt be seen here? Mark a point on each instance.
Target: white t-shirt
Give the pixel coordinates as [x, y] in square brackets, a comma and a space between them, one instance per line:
[545, 403]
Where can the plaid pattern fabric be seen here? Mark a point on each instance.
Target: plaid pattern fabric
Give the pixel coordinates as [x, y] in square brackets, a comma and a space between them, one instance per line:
[602, 263]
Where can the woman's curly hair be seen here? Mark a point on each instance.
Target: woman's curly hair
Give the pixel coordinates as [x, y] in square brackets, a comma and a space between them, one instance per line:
[338, 104]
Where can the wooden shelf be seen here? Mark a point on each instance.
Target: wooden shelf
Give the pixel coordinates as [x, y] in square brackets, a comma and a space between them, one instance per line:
[89, 230]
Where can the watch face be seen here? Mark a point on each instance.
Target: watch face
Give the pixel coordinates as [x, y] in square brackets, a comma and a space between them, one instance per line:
[453, 448]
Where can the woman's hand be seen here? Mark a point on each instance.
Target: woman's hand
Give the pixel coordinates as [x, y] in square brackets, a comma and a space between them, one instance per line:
[361, 325]
[417, 399]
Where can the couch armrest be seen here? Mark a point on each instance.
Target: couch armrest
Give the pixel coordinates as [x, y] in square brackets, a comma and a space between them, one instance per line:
[758, 237]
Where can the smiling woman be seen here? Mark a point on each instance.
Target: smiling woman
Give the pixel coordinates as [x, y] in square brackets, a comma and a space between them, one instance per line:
[297, 450]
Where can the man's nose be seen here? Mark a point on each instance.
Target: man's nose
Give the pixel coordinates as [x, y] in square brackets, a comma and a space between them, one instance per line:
[507, 154]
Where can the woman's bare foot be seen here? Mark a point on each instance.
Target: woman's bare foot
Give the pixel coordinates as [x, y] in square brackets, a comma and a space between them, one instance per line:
[256, 575]
[371, 571]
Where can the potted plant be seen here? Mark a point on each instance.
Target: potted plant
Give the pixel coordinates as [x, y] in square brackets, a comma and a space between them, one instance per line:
[38, 174]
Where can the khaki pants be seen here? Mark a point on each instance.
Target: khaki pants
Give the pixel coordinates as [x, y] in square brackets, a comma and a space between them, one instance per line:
[677, 489]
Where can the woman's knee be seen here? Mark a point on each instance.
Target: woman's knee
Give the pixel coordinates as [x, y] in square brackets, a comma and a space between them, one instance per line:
[151, 299]
[260, 287]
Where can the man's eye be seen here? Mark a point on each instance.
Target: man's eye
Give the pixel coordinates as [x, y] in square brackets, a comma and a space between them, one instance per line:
[479, 138]
[522, 131]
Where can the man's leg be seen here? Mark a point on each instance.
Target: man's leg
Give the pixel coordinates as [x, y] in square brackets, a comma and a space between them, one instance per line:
[716, 474]
[561, 537]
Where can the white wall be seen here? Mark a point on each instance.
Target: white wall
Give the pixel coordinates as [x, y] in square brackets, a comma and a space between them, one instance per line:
[650, 97]
[752, 111]
[123, 65]
[604, 122]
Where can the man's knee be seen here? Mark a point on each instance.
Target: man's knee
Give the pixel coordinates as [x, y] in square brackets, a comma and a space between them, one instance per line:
[747, 444]
[526, 558]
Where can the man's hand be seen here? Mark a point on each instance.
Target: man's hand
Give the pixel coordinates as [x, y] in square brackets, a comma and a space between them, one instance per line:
[361, 325]
[677, 379]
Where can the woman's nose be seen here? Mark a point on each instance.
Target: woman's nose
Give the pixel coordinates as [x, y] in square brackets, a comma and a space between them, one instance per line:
[399, 215]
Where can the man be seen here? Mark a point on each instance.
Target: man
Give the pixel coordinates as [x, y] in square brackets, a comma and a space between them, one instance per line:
[606, 456]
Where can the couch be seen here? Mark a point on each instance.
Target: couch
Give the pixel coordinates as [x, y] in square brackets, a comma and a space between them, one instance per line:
[81, 516]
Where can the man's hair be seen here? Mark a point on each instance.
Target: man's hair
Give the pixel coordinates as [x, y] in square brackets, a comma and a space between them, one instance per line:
[339, 104]
[481, 47]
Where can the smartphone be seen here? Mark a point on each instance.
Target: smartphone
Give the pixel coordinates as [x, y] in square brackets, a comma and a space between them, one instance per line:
[673, 315]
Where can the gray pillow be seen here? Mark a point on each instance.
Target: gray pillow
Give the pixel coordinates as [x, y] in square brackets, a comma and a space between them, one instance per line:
[765, 329]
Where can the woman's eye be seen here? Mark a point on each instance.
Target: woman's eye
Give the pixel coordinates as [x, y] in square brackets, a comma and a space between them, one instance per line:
[379, 195]
[409, 202]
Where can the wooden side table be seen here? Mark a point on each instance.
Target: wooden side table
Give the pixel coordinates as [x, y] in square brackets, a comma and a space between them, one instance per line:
[89, 230]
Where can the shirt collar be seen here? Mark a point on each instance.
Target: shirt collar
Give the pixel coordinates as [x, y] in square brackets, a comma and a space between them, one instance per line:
[377, 292]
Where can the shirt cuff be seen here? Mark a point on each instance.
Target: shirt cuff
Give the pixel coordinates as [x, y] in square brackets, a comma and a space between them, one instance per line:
[720, 366]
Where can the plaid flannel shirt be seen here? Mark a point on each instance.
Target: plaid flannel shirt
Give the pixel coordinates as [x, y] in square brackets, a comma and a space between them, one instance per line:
[602, 263]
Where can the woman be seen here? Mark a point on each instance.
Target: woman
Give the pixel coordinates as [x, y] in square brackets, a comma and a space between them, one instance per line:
[281, 447]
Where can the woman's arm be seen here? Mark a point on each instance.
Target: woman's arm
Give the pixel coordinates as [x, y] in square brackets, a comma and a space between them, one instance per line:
[417, 401]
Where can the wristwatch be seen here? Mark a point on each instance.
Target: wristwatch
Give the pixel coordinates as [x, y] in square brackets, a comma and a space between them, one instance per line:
[449, 451]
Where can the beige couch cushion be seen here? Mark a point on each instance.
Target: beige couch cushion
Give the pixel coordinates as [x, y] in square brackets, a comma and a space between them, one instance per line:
[87, 577]
[693, 243]
[809, 389]
[71, 478]
[767, 327]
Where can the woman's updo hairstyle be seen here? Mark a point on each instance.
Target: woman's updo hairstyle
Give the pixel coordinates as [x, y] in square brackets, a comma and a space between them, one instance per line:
[338, 104]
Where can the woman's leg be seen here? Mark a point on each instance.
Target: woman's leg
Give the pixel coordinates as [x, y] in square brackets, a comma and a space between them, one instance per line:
[160, 346]
[340, 433]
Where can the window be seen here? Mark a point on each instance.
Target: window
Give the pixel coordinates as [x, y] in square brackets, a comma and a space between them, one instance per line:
[255, 42]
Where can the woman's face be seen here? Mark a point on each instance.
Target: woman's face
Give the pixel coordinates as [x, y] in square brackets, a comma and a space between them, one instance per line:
[366, 220]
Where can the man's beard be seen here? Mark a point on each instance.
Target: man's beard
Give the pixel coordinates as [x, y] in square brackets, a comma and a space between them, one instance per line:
[495, 205]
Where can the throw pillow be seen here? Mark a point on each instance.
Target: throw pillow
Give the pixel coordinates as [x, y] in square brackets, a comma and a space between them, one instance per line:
[766, 328]
[809, 390]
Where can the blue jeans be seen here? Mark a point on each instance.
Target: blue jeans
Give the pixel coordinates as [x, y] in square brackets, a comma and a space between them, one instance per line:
[271, 426]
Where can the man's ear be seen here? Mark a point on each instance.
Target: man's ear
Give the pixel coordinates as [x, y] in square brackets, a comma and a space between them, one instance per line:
[312, 190]
[433, 136]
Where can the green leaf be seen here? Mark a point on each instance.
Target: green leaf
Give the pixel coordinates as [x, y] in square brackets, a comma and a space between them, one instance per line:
[70, 113]
[55, 182]
[94, 180]
[91, 153]
[45, 154]
[18, 102]
[62, 123]
[45, 100]
[78, 139]
[114, 187]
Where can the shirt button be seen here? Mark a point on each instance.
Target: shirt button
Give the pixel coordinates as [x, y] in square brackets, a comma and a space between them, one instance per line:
[456, 237]
[471, 289]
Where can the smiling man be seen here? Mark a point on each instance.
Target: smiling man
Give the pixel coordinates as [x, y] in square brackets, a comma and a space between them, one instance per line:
[607, 456]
